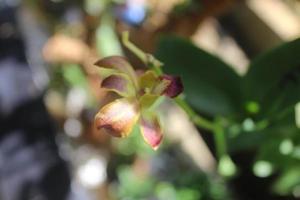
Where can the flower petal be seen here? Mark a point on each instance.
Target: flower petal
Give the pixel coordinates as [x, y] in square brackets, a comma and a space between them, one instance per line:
[175, 86]
[114, 62]
[161, 86]
[118, 63]
[151, 130]
[106, 72]
[148, 80]
[147, 100]
[119, 83]
[117, 118]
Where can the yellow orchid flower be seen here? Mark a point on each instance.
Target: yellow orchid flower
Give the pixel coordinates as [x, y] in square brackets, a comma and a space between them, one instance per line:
[137, 93]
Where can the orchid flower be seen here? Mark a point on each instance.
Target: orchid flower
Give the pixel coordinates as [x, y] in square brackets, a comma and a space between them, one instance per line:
[137, 94]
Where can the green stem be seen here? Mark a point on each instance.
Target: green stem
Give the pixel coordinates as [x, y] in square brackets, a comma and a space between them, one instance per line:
[226, 166]
[134, 49]
[147, 59]
[155, 64]
[220, 140]
[195, 118]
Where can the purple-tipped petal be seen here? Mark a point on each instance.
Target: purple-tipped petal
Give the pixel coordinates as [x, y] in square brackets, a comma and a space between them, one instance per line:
[151, 130]
[106, 72]
[114, 62]
[119, 83]
[118, 63]
[175, 86]
[117, 118]
[161, 86]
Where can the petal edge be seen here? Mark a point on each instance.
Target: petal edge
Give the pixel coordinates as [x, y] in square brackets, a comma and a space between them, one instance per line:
[151, 130]
[117, 118]
[119, 63]
[119, 83]
[175, 86]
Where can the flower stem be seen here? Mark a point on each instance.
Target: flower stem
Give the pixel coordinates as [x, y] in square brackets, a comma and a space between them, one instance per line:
[147, 59]
[134, 49]
[226, 167]
[220, 140]
[196, 119]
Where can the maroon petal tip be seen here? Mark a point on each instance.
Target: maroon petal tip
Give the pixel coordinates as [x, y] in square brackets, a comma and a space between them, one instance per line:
[175, 87]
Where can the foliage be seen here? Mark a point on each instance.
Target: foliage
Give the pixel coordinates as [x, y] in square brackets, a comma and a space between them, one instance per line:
[211, 86]
[258, 108]
[172, 185]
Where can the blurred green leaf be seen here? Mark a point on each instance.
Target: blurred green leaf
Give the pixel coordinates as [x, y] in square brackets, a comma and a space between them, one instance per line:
[262, 168]
[282, 127]
[227, 167]
[273, 79]
[210, 85]
[107, 40]
[95, 7]
[202, 185]
[287, 181]
[74, 75]
[165, 191]
[297, 114]
[133, 186]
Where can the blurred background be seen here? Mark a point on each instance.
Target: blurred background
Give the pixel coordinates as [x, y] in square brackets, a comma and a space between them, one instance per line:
[50, 93]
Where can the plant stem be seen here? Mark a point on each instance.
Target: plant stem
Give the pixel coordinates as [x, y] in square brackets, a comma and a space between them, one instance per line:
[134, 49]
[195, 118]
[147, 59]
[220, 140]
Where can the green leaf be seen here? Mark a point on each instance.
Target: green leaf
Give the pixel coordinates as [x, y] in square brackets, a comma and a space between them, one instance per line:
[256, 139]
[210, 85]
[107, 42]
[74, 75]
[287, 181]
[273, 79]
[132, 185]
